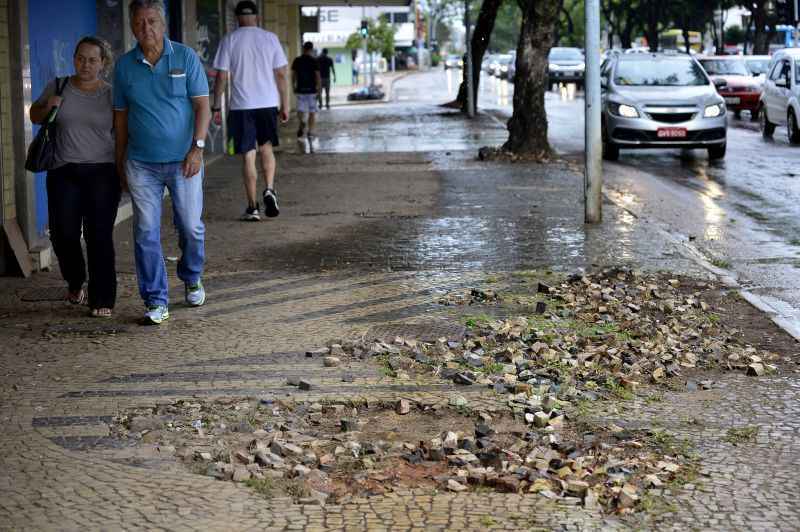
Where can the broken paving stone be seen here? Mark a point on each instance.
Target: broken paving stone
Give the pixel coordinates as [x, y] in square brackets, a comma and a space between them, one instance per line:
[318, 352]
[336, 350]
[577, 487]
[268, 459]
[331, 362]
[304, 384]
[541, 419]
[628, 496]
[755, 370]
[402, 407]
[464, 378]
[241, 474]
[540, 484]
[457, 487]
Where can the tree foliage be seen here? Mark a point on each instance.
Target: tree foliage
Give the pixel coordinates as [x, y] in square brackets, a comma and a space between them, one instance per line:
[380, 39]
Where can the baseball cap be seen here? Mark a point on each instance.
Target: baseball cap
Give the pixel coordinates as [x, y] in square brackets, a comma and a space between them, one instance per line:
[245, 7]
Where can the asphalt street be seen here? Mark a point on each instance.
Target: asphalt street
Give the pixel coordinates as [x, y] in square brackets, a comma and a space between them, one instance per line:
[740, 214]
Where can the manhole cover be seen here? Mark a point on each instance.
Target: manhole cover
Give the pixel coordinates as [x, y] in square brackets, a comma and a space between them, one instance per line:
[85, 330]
[425, 332]
[51, 293]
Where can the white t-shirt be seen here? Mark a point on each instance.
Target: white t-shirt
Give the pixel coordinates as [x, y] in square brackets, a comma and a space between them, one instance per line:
[250, 55]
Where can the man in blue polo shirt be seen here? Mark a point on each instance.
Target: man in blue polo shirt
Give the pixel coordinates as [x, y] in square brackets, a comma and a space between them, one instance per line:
[161, 117]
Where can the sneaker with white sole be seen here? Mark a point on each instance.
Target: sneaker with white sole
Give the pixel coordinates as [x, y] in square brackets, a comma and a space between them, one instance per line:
[195, 294]
[270, 203]
[156, 314]
[251, 214]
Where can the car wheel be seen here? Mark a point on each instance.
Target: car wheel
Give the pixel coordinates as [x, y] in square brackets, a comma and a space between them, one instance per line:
[716, 153]
[610, 150]
[791, 128]
[767, 127]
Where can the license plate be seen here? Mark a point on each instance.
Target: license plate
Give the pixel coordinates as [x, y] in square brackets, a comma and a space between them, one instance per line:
[569, 74]
[671, 133]
[733, 101]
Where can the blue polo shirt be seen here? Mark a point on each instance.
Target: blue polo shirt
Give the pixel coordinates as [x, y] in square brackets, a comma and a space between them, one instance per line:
[158, 100]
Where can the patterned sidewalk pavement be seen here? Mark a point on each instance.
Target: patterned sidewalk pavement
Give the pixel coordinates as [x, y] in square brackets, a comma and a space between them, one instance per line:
[366, 244]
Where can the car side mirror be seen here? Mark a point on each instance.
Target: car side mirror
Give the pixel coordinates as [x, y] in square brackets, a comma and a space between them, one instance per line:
[719, 82]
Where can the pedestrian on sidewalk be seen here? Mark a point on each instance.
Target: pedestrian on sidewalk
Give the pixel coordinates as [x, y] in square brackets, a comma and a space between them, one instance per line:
[254, 61]
[83, 188]
[326, 69]
[161, 117]
[306, 82]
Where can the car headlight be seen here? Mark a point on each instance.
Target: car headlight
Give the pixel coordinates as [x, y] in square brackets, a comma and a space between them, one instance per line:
[553, 67]
[626, 111]
[504, 68]
[713, 111]
[582, 66]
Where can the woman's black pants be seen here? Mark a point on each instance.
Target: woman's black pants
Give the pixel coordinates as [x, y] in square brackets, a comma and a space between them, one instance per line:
[85, 196]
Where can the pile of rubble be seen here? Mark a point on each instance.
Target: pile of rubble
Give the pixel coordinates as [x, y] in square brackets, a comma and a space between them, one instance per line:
[320, 453]
[614, 330]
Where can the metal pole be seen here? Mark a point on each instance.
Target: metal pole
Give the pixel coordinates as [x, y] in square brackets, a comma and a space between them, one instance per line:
[593, 178]
[364, 61]
[468, 65]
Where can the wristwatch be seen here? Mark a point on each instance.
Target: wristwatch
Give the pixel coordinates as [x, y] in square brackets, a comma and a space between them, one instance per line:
[200, 144]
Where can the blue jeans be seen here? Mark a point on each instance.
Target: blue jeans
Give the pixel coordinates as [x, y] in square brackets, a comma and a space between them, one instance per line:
[146, 182]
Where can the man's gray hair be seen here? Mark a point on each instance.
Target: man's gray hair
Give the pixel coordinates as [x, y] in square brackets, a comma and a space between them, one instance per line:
[158, 5]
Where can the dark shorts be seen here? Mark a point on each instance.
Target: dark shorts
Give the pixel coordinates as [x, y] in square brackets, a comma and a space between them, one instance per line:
[249, 127]
[326, 83]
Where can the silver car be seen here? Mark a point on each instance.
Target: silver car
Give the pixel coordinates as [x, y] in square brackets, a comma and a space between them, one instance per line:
[660, 101]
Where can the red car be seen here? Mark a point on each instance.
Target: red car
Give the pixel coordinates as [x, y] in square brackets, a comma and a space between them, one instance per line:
[741, 90]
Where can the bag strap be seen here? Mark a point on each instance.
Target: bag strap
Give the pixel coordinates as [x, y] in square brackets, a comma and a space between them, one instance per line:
[60, 84]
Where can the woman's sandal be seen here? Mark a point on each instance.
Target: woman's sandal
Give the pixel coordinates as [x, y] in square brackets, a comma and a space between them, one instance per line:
[101, 312]
[78, 298]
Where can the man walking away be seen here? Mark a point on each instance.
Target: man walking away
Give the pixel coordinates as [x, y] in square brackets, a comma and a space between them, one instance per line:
[306, 82]
[253, 60]
[325, 70]
[161, 118]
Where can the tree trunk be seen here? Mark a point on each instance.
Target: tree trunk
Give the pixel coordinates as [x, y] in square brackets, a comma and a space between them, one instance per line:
[527, 126]
[481, 36]
[760, 36]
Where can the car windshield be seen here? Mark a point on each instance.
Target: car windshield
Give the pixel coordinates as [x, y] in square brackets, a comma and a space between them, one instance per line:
[566, 54]
[505, 59]
[660, 72]
[725, 67]
[757, 66]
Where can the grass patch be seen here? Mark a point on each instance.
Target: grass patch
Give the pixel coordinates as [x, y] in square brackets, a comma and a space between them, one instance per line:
[720, 263]
[737, 435]
[478, 320]
[487, 521]
[263, 486]
[666, 443]
[617, 390]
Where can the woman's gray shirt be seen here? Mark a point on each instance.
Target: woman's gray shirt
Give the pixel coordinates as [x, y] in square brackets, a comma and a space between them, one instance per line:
[84, 125]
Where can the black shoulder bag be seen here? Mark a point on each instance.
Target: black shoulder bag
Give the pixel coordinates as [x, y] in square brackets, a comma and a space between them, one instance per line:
[42, 151]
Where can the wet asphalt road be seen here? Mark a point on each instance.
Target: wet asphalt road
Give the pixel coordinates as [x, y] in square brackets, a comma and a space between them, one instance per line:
[741, 214]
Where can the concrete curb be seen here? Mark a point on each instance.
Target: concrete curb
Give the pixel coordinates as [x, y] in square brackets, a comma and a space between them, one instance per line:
[789, 325]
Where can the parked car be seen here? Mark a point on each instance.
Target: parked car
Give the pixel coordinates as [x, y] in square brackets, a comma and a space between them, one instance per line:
[567, 65]
[660, 101]
[496, 63]
[487, 60]
[758, 65]
[503, 64]
[453, 61]
[741, 91]
[779, 98]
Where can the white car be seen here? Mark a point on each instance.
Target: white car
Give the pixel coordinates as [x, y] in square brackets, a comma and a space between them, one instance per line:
[779, 99]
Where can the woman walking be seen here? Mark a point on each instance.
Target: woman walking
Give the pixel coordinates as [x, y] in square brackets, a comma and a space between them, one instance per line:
[83, 189]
